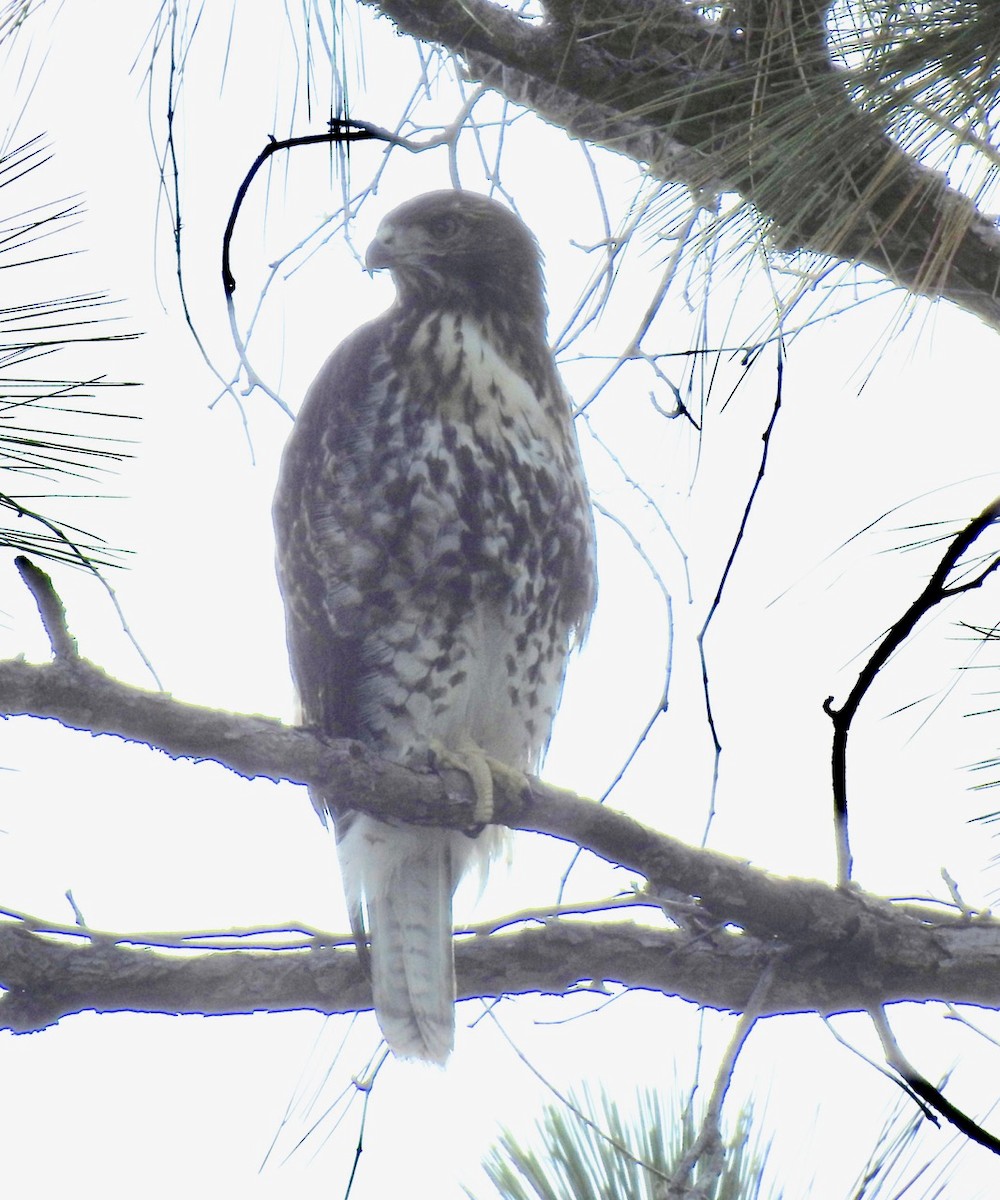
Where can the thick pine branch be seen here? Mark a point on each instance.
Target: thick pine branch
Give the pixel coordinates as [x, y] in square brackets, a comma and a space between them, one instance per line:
[48, 978]
[823, 949]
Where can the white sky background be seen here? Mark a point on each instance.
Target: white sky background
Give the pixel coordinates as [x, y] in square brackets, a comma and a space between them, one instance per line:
[158, 1105]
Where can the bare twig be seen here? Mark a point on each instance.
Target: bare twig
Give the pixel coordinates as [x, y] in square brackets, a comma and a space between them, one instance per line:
[567, 1102]
[936, 590]
[708, 1148]
[341, 131]
[925, 1090]
[723, 579]
[50, 608]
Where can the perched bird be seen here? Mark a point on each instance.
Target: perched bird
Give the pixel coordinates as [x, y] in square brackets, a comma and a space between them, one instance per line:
[435, 552]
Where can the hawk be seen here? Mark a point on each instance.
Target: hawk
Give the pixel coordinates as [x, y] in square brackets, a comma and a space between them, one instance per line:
[435, 553]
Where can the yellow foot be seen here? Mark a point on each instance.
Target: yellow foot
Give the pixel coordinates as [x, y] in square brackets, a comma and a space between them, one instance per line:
[487, 775]
[472, 762]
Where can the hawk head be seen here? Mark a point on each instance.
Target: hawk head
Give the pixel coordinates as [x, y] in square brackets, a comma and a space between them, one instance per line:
[462, 251]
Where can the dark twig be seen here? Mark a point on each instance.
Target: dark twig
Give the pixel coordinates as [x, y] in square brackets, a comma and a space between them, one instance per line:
[340, 131]
[926, 1090]
[935, 591]
[723, 579]
[50, 608]
[365, 1087]
[85, 557]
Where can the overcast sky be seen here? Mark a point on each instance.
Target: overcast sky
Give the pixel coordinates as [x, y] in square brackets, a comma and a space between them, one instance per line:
[871, 423]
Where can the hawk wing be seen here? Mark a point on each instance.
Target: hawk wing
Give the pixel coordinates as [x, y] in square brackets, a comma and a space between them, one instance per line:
[318, 503]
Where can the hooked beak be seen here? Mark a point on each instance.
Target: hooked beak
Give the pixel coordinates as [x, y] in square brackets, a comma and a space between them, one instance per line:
[381, 252]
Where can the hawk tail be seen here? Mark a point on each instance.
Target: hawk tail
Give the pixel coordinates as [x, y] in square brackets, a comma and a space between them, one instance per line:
[407, 878]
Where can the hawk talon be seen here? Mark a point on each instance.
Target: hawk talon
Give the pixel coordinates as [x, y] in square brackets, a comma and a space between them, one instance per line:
[472, 762]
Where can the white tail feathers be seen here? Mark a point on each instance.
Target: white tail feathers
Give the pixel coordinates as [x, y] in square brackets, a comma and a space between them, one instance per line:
[406, 877]
[413, 972]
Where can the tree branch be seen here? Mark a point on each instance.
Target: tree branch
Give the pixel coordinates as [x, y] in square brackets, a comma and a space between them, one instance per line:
[755, 107]
[936, 590]
[47, 979]
[80, 696]
[827, 949]
[50, 608]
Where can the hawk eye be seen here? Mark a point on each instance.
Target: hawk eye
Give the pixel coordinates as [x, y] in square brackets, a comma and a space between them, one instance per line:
[444, 226]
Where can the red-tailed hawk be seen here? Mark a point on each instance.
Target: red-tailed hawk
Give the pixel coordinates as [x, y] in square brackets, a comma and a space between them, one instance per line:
[435, 551]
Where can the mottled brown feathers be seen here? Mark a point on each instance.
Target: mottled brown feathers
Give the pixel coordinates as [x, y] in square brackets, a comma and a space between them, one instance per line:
[435, 554]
